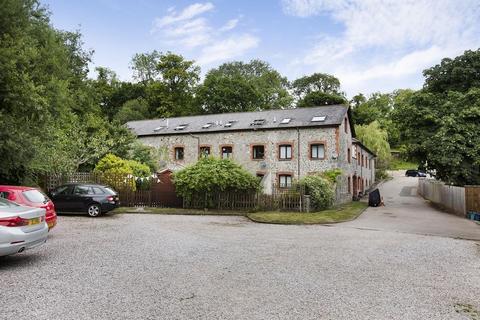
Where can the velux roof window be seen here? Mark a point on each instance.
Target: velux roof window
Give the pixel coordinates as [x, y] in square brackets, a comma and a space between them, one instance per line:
[206, 126]
[181, 127]
[229, 123]
[258, 122]
[285, 121]
[319, 118]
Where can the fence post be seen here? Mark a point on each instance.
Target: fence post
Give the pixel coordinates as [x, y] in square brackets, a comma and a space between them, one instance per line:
[306, 203]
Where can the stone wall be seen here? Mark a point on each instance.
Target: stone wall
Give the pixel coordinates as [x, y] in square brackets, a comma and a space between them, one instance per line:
[242, 142]
[337, 140]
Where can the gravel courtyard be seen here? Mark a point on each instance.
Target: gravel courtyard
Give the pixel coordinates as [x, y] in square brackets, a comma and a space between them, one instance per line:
[190, 267]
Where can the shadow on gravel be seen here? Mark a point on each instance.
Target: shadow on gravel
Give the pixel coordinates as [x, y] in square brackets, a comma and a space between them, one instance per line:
[19, 260]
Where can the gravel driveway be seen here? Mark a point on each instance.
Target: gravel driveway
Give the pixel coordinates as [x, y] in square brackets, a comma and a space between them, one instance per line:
[190, 267]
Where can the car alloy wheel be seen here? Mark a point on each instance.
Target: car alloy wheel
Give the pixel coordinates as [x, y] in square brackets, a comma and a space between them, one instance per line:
[94, 210]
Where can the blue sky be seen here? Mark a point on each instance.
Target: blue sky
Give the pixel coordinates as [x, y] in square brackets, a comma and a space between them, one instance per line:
[370, 45]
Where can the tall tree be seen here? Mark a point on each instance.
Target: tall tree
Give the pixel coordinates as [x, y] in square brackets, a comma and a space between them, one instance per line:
[318, 89]
[458, 74]
[169, 81]
[238, 86]
[47, 105]
[144, 66]
[316, 82]
[314, 99]
[441, 122]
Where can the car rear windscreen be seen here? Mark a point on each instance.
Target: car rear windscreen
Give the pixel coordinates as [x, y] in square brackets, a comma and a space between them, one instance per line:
[35, 196]
[110, 191]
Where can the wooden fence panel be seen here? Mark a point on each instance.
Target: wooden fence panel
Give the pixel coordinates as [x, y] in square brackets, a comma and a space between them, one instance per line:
[451, 198]
[472, 198]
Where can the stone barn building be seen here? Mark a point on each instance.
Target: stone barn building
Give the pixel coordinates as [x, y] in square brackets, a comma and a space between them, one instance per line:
[278, 146]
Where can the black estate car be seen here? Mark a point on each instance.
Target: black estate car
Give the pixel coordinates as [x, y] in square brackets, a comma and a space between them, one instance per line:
[93, 199]
[415, 173]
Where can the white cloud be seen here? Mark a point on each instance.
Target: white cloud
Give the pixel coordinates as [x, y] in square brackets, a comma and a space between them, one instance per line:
[231, 24]
[189, 12]
[385, 40]
[232, 47]
[190, 30]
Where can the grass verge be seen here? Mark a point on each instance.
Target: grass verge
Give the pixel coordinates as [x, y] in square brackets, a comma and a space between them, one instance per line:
[399, 164]
[178, 211]
[341, 213]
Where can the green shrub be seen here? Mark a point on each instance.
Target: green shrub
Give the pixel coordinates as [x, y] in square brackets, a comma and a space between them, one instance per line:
[320, 189]
[381, 174]
[211, 175]
[120, 173]
[332, 174]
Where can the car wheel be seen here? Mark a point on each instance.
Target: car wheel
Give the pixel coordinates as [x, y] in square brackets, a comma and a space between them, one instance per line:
[94, 210]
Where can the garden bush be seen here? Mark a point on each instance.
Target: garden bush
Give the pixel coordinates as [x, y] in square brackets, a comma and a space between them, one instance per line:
[211, 175]
[120, 173]
[320, 189]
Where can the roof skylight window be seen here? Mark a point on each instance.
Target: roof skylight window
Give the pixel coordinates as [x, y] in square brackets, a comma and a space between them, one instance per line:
[229, 123]
[180, 127]
[258, 122]
[285, 121]
[206, 126]
[319, 118]
[158, 129]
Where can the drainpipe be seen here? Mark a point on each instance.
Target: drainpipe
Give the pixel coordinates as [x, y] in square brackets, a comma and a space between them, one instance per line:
[298, 166]
[298, 153]
[198, 144]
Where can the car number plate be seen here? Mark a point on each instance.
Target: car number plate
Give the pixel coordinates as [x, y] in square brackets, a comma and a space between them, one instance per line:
[34, 221]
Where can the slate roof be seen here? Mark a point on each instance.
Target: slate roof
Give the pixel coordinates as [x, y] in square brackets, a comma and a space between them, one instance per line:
[356, 141]
[241, 121]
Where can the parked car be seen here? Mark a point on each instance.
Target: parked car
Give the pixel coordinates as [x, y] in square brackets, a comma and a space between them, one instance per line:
[21, 228]
[415, 173]
[93, 199]
[421, 174]
[31, 197]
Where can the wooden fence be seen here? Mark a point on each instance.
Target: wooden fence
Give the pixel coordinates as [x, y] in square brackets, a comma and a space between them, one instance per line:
[458, 200]
[159, 191]
[472, 198]
[293, 199]
[155, 191]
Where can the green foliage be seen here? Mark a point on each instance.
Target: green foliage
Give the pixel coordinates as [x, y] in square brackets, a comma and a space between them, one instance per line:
[145, 154]
[315, 99]
[332, 174]
[136, 109]
[400, 164]
[320, 189]
[376, 139]
[211, 175]
[317, 82]
[459, 74]
[144, 66]
[120, 173]
[318, 89]
[51, 117]
[440, 123]
[237, 86]
[113, 164]
[377, 107]
[442, 133]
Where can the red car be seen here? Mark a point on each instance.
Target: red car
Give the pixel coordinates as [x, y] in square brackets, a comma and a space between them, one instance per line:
[31, 197]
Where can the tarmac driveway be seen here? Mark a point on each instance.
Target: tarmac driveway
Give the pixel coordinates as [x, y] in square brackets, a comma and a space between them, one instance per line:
[405, 211]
